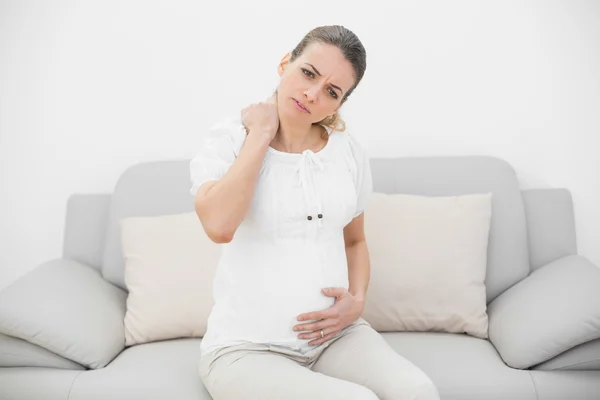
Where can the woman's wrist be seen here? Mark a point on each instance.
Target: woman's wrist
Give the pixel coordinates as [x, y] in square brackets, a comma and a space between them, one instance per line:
[358, 295]
[260, 139]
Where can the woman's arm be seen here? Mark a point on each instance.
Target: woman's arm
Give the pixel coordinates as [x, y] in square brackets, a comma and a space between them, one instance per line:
[357, 253]
[222, 205]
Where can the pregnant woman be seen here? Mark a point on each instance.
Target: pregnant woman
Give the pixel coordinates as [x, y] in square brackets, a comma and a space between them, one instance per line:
[283, 187]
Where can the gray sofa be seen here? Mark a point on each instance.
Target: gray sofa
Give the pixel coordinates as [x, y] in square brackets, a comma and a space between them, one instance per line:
[61, 325]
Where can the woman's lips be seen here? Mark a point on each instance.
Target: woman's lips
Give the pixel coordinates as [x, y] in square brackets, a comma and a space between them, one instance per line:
[299, 106]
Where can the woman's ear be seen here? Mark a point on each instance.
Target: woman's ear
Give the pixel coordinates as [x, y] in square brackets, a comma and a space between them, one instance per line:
[283, 64]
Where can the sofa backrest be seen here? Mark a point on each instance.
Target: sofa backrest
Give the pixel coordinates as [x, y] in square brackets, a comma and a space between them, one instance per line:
[161, 188]
[508, 257]
[145, 189]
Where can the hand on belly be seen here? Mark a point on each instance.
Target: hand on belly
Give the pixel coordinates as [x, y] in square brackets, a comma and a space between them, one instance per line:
[323, 324]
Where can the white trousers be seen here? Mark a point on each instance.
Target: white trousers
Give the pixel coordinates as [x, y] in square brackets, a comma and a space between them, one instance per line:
[356, 364]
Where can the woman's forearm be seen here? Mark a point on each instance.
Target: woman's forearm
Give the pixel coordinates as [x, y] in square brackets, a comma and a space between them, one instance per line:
[222, 205]
[359, 269]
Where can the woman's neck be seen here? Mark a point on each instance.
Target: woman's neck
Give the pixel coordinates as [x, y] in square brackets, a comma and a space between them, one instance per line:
[296, 139]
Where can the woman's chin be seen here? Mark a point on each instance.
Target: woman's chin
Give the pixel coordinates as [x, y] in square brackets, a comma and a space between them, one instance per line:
[295, 116]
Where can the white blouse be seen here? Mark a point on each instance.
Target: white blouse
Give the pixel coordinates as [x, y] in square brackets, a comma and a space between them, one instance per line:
[290, 245]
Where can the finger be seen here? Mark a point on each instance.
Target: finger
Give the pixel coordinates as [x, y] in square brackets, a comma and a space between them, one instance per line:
[315, 326]
[308, 327]
[322, 340]
[312, 316]
[316, 334]
[318, 315]
[334, 291]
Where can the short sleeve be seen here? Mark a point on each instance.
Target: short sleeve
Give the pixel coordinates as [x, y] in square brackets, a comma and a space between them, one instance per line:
[219, 148]
[363, 180]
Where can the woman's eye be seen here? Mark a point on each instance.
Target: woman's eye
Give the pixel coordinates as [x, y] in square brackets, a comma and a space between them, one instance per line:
[309, 74]
[305, 71]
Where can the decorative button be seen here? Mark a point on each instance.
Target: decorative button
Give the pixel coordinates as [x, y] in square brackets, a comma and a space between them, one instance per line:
[309, 217]
[320, 215]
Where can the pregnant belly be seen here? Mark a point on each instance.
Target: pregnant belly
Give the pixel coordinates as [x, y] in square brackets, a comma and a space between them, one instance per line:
[269, 312]
[266, 294]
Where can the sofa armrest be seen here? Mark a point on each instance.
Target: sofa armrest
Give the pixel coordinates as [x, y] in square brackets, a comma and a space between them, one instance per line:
[550, 225]
[85, 228]
[554, 309]
[20, 353]
[67, 308]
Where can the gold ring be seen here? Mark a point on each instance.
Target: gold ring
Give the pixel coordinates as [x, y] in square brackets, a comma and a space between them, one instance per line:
[322, 334]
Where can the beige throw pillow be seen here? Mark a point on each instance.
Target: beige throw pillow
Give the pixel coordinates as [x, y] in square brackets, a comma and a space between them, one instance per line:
[428, 263]
[170, 264]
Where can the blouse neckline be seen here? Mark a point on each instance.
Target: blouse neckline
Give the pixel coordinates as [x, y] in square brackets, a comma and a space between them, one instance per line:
[324, 150]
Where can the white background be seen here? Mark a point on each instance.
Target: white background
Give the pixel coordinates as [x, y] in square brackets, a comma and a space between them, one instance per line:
[88, 88]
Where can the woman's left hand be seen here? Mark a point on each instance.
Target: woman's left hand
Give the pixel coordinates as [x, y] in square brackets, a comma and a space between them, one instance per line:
[346, 309]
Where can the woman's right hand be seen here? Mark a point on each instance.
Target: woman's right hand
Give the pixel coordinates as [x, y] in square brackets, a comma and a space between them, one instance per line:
[262, 118]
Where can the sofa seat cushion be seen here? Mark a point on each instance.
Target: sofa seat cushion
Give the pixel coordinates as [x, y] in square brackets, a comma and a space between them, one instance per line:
[36, 383]
[567, 385]
[462, 367]
[152, 371]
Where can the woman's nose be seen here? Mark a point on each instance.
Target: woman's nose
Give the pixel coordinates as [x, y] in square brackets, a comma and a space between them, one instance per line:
[311, 94]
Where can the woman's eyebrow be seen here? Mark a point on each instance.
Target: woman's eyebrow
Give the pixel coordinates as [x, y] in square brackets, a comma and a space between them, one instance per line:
[318, 73]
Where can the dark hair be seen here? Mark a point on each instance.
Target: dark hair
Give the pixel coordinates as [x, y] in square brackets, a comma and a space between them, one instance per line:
[350, 46]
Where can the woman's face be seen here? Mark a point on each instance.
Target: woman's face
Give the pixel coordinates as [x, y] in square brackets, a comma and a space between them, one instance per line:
[318, 80]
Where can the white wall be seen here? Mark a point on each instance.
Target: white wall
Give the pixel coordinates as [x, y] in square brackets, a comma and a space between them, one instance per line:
[90, 88]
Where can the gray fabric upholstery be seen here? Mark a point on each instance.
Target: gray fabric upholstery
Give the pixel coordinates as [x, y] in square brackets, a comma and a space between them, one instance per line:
[67, 308]
[168, 369]
[152, 371]
[20, 353]
[584, 357]
[85, 228]
[36, 383]
[147, 189]
[462, 367]
[551, 225]
[508, 258]
[567, 385]
[553, 310]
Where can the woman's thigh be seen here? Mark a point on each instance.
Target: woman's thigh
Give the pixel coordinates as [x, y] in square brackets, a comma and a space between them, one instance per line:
[264, 375]
[364, 357]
